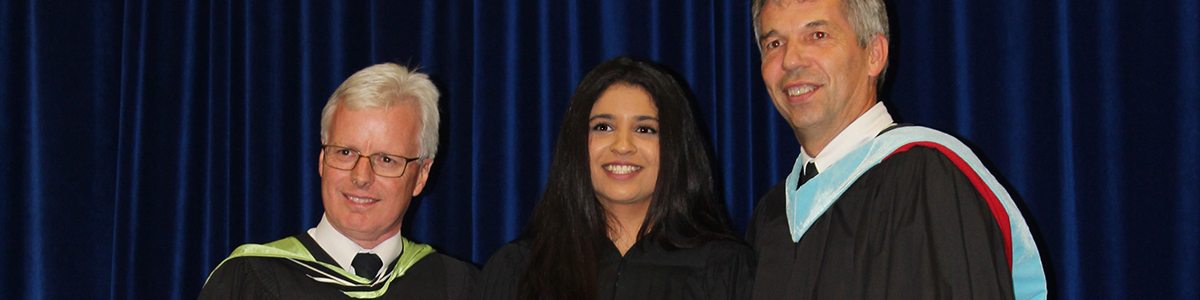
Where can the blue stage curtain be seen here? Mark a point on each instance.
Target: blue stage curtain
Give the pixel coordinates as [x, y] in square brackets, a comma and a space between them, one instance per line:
[144, 140]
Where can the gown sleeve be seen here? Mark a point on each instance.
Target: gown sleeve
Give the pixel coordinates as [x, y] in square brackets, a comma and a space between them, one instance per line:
[928, 233]
[502, 274]
[239, 278]
[461, 279]
[732, 274]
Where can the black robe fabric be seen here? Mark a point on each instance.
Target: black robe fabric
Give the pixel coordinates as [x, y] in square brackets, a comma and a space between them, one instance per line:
[721, 269]
[434, 276]
[911, 227]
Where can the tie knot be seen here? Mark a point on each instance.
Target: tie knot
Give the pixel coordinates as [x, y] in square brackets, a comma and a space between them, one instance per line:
[366, 265]
[810, 171]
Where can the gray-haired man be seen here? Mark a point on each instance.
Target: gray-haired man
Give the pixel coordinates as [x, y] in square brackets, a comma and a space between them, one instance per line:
[873, 210]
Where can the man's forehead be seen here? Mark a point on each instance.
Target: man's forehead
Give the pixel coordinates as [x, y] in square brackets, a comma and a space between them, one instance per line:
[773, 4]
[396, 116]
[792, 1]
[386, 112]
[811, 20]
[382, 102]
[786, 3]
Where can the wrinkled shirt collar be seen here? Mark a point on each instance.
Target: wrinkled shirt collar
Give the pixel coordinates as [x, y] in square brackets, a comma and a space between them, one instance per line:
[343, 250]
[858, 133]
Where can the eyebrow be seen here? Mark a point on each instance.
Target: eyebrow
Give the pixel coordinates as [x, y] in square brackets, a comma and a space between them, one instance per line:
[764, 36]
[772, 32]
[610, 117]
[360, 151]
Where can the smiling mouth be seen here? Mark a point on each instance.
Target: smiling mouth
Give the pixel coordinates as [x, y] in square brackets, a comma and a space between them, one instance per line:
[800, 90]
[361, 200]
[621, 169]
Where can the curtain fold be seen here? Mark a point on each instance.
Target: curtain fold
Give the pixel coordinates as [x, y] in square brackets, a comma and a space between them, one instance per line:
[147, 139]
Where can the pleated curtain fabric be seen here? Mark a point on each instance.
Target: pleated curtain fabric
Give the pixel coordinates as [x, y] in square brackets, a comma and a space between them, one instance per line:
[145, 140]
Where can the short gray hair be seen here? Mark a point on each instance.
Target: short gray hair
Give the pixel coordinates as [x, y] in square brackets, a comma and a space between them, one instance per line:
[385, 85]
[866, 17]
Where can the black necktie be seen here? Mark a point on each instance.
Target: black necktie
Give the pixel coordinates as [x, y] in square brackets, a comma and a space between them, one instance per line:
[810, 171]
[366, 265]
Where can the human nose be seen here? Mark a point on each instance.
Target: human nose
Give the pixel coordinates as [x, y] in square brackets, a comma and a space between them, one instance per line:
[794, 56]
[623, 143]
[362, 175]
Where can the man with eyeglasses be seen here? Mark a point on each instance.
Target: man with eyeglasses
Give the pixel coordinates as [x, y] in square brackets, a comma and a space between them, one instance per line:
[379, 133]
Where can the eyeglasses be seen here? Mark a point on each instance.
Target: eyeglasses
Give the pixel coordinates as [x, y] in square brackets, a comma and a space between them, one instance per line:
[386, 165]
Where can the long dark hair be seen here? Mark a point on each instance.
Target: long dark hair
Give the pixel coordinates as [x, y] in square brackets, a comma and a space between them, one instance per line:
[569, 226]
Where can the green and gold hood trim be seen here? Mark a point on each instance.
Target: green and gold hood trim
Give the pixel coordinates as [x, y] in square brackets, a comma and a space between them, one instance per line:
[352, 285]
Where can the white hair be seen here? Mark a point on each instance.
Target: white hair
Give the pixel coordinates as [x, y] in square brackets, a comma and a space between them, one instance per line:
[385, 85]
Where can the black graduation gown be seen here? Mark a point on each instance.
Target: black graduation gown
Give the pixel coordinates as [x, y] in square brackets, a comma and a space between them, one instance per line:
[911, 227]
[434, 276]
[720, 269]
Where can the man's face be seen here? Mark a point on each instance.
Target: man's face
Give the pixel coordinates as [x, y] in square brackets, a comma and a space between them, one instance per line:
[362, 205]
[816, 73]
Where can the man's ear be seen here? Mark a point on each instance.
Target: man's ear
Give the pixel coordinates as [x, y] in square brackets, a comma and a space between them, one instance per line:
[422, 176]
[321, 161]
[879, 55]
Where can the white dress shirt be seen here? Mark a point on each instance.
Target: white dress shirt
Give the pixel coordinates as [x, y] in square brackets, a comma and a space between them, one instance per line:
[343, 250]
[859, 132]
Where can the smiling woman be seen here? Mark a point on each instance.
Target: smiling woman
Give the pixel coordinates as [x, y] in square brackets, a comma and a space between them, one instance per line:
[629, 211]
[623, 147]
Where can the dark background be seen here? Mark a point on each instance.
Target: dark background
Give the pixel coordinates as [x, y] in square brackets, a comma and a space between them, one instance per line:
[144, 140]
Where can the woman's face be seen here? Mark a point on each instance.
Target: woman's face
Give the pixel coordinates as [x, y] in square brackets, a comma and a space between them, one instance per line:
[623, 145]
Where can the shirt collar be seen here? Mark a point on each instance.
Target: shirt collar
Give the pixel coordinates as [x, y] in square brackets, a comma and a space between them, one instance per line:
[859, 132]
[343, 250]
